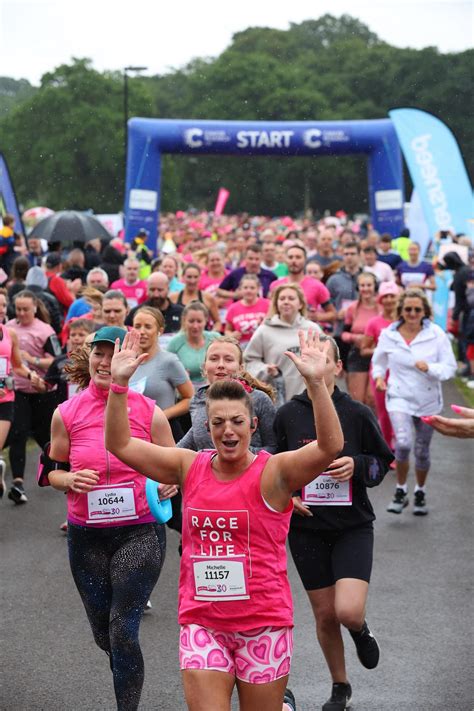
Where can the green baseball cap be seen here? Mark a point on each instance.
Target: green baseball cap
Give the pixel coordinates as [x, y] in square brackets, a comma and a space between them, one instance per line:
[109, 334]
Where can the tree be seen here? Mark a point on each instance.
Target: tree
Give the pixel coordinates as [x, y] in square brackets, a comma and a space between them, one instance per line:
[65, 144]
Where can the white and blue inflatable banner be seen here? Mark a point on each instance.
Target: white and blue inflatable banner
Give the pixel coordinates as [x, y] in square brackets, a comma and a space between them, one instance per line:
[437, 170]
[149, 139]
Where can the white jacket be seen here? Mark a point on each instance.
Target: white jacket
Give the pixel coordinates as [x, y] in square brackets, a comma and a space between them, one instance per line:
[409, 389]
[268, 344]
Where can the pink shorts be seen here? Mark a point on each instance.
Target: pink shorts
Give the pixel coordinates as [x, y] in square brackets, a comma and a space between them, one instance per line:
[256, 656]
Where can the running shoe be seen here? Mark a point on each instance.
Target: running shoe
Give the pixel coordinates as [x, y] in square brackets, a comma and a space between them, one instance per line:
[399, 501]
[17, 494]
[419, 504]
[3, 468]
[367, 648]
[289, 699]
[340, 699]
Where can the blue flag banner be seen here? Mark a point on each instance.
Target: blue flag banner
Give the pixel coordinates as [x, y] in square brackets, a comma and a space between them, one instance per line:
[441, 298]
[8, 201]
[437, 170]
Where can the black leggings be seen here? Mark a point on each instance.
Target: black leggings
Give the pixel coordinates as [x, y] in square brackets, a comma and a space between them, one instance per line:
[115, 570]
[32, 415]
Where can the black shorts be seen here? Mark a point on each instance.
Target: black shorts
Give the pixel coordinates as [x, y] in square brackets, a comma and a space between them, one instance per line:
[356, 363]
[323, 557]
[6, 411]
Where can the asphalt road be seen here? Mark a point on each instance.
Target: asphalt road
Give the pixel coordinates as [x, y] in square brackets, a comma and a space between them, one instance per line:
[420, 607]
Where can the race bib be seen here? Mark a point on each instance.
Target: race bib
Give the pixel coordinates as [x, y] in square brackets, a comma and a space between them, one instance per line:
[326, 491]
[220, 579]
[106, 503]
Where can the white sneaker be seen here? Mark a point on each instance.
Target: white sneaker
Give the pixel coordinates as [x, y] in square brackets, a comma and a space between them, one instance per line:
[399, 501]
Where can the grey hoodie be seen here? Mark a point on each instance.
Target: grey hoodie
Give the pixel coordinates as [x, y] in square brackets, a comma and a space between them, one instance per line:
[198, 437]
[268, 345]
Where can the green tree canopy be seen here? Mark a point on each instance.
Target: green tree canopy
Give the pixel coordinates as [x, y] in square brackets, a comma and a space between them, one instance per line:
[64, 141]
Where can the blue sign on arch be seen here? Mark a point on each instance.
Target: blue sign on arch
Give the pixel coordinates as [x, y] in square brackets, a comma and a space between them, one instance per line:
[148, 139]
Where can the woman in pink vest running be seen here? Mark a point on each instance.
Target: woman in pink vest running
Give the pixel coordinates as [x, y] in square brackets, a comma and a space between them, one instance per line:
[235, 606]
[116, 548]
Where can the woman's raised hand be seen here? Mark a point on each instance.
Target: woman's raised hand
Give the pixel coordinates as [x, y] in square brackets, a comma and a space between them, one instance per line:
[313, 356]
[126, 359]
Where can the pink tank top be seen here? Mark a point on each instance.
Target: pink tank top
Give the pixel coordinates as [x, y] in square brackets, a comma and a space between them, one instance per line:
[234, 569]
[6, 362]
[84, 416]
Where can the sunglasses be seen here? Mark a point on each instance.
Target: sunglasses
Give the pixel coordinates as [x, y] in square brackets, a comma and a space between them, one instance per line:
[410, 309]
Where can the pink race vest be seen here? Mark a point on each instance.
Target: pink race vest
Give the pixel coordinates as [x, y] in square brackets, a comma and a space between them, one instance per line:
[6, 363]
[120, 497]
[234, 569]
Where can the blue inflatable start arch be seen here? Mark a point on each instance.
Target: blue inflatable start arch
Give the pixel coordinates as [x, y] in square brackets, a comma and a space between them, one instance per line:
[149, 138]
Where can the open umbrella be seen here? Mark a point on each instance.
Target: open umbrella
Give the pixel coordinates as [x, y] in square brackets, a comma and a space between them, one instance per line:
[70, 226]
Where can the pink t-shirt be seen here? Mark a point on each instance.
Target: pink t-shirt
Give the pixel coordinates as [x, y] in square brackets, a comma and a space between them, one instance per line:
[234, 568]
[32, 339]
[134, 293]
[211, 284]
[246, 319]
[375, 326]
[357, 317]
[6, 363]
[316, 293]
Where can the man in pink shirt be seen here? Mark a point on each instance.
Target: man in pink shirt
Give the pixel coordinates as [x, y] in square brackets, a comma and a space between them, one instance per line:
[316, 293]
[133, 288]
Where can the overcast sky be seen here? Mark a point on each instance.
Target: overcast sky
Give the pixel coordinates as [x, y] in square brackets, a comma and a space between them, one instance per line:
[38, 35]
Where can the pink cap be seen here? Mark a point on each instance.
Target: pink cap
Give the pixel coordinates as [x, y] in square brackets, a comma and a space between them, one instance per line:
[387, 287]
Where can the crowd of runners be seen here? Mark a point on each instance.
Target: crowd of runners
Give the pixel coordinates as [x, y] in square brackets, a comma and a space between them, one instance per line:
[294, 363]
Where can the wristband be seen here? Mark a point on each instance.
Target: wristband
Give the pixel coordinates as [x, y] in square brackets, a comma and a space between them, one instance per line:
[118, 389]
[37, 361]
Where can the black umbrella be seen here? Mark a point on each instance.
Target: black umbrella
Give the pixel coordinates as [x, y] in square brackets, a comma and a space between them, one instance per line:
[70, 226]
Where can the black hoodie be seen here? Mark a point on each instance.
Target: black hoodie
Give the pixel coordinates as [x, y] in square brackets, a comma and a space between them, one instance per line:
[363, 441]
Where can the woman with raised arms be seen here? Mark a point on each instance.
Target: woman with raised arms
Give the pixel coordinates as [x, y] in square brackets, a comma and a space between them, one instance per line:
[234, 594]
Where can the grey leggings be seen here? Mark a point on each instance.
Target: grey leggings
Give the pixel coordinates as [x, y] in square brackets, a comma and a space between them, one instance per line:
[408, 430]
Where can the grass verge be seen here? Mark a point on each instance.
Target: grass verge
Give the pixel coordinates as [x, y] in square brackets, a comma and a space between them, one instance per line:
[467, 394]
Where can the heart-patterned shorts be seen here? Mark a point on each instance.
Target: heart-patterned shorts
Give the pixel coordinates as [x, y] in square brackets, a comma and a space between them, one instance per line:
[256, 656]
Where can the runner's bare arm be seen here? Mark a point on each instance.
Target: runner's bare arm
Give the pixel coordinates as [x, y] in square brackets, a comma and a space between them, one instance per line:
[160, 429]
[80, 481]
[165, 464]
